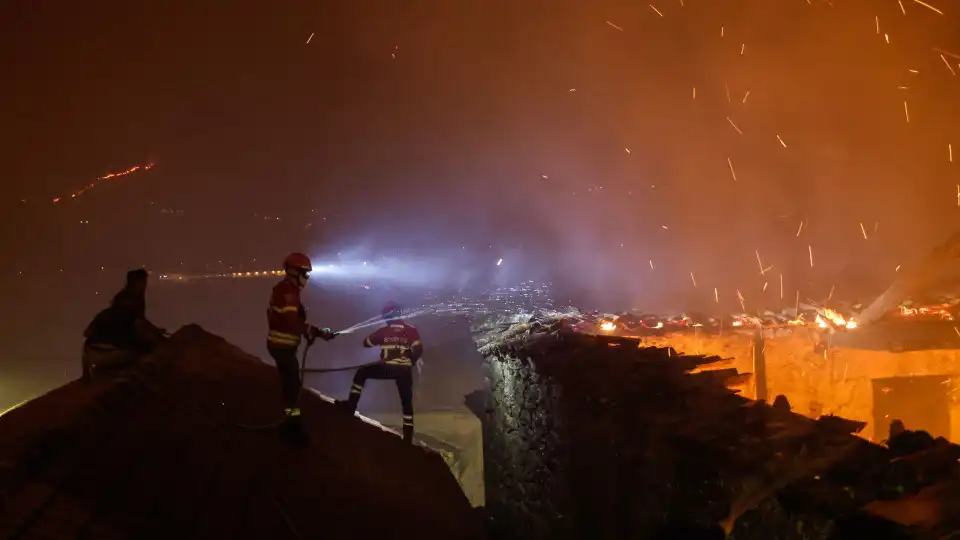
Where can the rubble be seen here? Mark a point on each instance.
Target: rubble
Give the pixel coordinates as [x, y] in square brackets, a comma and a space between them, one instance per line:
[181, 446]
[597, 437]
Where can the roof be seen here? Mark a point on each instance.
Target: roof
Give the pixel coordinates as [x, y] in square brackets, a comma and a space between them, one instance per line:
[759, 468]
[159, 453]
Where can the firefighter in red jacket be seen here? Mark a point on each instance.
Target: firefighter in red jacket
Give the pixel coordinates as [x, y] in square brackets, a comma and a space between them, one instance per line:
[400, 349]
[287, 320]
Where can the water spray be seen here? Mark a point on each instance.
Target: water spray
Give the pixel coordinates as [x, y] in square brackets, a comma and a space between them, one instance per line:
[378, 320]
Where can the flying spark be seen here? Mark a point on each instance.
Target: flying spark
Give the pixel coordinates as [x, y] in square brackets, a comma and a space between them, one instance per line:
[655, 9]
[309, 38]
[810, 251]
[928, 6]
[800, 228]
[783, 144]
[781, 286]
[745, 96]
[693, 279]
[864, 231]
[946, 63]
[733, 173]
[734, 125]
[906, 111]
[615, 26]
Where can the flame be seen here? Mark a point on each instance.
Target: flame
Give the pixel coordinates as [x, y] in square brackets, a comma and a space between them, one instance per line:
[608, 326]
[831, 317]
[834, 317]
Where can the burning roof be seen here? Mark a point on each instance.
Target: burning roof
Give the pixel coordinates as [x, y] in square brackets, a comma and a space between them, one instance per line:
[160, 453]
[635, 435]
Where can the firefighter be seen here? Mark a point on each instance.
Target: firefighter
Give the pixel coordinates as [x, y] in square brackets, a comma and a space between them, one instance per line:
[400, 349]
[121, 335]
[287, 320]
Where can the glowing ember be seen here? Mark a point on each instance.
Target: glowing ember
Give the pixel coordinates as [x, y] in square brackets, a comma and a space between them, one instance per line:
[930, 311]
[91, 185]
[608, 326]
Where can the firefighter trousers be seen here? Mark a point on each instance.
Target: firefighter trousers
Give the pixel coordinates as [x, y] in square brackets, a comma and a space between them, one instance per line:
[402, 375]
[288, 367]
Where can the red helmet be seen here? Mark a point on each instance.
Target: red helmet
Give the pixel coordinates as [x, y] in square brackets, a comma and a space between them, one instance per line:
[297, 261]
[391, 310]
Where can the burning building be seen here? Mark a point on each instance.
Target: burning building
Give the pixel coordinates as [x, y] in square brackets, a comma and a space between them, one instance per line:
[596, 436]
[898, 358]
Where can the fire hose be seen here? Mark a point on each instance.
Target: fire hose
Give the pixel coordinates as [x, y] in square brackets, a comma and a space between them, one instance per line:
[304, 370]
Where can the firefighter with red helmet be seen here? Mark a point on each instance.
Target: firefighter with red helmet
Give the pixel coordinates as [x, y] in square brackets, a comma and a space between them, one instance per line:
[400, 349]
[287, 321]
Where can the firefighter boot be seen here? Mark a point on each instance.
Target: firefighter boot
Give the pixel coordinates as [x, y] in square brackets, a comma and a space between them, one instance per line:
[349, 405]
[343, 406]
[408, 434]
[292, 432]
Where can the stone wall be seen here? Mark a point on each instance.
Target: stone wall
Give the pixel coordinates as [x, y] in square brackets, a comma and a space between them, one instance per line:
[567, 454]
[524, 462]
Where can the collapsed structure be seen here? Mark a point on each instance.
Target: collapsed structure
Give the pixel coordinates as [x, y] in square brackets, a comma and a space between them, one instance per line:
[598, 437]
[183, 444]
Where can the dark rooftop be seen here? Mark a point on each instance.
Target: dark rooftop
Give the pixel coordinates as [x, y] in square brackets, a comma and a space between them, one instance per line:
[159, 453]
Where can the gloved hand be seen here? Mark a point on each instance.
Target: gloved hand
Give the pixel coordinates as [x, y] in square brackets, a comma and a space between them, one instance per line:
[323, 333]
[328, 334]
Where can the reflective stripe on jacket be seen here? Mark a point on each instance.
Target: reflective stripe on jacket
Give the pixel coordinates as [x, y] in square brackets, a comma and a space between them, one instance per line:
[399, 343]
[286, 317]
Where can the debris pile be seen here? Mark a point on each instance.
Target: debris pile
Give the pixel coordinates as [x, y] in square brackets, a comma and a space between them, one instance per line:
[596, 437]
[181, 445]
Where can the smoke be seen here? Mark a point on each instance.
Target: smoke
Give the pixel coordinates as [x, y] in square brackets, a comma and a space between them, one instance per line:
[645, 168]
